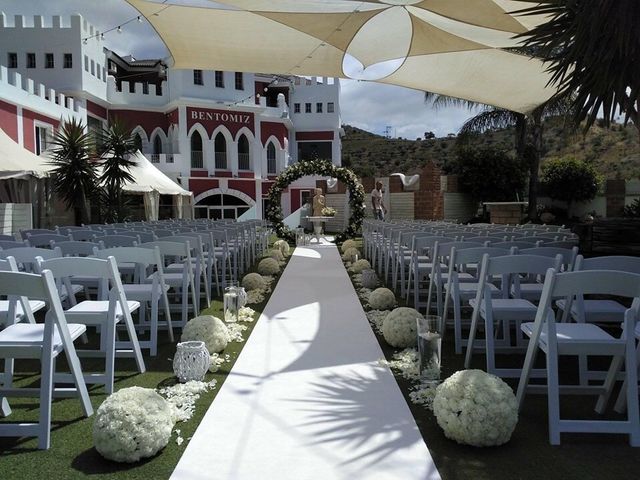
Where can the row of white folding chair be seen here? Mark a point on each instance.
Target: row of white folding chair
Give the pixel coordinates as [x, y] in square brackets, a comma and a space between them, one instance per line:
[104, 313]
[496, 311]
[44, 342]
[583, 339]
[23, 310]
[149, 266]
[199, 266]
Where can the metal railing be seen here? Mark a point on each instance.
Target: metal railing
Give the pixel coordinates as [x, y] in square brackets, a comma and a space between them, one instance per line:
[197, 160]
[221, 160]
[244, 161]
[271, 166]
[155, 158]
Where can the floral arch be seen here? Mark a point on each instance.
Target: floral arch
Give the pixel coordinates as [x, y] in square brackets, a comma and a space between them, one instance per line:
[316, 167]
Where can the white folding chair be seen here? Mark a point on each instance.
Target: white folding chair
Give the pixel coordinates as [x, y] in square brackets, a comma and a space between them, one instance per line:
[102, 313]
[146, 293]
[497, 312]
[42, 341]
[531, 289]
[199, 265]
[24, 308]
[181, 282]
[579, 339]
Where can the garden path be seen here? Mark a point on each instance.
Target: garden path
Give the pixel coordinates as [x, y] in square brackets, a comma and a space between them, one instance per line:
[307, 398]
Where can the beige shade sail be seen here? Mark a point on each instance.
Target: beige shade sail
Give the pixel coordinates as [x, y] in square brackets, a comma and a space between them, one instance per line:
[459, 48]
[147, 178]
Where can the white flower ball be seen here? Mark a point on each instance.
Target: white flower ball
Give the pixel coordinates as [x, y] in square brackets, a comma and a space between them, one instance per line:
[268, 266]
[399, 327]
[347, 256]
[475, 408]
[131, 424]
[347, 245]
[208, 329]
[253, 281]
[382, 299]
[283, 246]
[359, 266]
[276, 254]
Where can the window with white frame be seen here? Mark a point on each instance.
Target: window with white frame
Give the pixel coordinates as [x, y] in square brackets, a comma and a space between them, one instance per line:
[12, 60]
[43, 137]
[68, 60]
[239, 81]
[271, 159]
[31, 60]
[296, 108]
[330, 107]
[197, 77]
[49, 61]
[219, 79]
[307, 108]
[319, 107]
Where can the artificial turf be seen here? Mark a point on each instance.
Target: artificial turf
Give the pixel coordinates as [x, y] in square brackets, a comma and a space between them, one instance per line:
[72, 454]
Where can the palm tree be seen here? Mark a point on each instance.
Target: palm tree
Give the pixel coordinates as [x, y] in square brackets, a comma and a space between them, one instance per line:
[75, 177]
[528, 131]
[116, 144]
[592, 49]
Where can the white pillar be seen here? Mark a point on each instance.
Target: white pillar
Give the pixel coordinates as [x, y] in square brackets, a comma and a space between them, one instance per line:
[184, 146]
[259, 213]
[232, 157]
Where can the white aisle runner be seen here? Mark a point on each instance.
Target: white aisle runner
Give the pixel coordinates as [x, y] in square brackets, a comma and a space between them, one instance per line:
[307, 398]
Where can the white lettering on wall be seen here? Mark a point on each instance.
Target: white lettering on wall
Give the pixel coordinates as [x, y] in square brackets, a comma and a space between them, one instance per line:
[221, 117]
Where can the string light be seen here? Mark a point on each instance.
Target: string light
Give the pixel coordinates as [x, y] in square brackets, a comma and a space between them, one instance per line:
[119, 29]
[139, 19]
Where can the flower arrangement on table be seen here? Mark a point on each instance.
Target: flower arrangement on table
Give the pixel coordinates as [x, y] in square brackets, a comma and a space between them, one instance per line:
[329, 212]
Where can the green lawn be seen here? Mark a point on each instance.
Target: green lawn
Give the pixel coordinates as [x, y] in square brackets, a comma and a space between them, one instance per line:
[72, 454]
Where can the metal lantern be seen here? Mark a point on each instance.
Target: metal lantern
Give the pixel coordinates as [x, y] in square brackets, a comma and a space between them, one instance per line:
[191, 361]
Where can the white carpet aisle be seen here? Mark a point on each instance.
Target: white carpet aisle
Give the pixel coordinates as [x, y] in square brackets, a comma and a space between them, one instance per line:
[307, 398]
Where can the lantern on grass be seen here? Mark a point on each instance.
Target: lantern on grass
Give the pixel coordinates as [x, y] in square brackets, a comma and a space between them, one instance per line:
[230, 303]
[191, 361]
[301, 237]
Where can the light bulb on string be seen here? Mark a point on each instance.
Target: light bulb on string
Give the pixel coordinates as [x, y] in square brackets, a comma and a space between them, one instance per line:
[84, 41]
[139, 19]
[119, 29]
[102, 36]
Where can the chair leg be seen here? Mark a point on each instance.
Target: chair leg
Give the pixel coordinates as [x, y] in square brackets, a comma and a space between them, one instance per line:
[610, 381]
[110, 339]
[153, 334]
[46, 394]
[553, 390]
[631, 368]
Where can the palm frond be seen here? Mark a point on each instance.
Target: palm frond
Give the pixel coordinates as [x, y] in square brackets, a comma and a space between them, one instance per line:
[439, 101]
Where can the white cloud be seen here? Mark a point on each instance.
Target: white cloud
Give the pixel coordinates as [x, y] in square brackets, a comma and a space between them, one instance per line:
[366, 105]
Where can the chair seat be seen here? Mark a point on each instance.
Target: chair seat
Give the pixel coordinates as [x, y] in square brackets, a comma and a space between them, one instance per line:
[572, 335]
[89, 309]
[179, 267]
[137, 291]
[173, 279]
[509, 308]
[30, 335]
[529, 291]
[462, 277]
[469, 289]
[598, 310]
[4, 308]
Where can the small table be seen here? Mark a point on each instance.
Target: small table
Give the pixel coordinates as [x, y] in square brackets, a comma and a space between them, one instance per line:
[317, 225]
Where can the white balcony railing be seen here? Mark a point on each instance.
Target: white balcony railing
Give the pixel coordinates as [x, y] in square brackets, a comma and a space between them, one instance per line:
[244, 161]
[221, 160]
[197, 160]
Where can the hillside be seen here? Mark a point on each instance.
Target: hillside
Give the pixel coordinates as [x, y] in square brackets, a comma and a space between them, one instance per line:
[615, 152]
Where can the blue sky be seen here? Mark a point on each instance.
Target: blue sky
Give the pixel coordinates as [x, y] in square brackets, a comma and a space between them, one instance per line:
[366, 105]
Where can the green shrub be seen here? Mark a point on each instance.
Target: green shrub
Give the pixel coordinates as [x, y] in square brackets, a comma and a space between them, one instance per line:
[570, 180]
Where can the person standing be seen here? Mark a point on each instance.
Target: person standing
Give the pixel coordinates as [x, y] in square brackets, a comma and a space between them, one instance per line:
[379, 210]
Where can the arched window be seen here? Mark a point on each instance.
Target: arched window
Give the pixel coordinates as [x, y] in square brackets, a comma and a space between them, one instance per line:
[157, 145]
[196, 150]
[137, 141]
[244, 158]
[271, 158]
[220, 151]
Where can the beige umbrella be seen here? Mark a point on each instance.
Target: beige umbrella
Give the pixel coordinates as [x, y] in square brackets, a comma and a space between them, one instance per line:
[459, 48]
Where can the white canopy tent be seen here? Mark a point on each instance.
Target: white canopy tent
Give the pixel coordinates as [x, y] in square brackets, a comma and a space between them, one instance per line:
[458, 48]
[152, 183]
[18, 162]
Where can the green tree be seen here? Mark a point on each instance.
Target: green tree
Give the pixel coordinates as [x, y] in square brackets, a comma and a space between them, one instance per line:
[75, 179]
[592, 48]
[116, 145]
[489, 174]
[570, 180]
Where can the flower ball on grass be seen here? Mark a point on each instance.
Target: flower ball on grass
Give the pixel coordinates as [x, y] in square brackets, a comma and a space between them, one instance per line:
[276, 254]
[475, 408]
[347, 245]
[268, 266]
[399, 327]
[282, 245]
[348, 255]
[382, 299]
[208, 329]
[253, 281]
[132, 424]
[359, 266]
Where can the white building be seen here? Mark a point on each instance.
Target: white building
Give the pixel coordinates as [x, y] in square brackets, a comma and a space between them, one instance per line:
[223, 135]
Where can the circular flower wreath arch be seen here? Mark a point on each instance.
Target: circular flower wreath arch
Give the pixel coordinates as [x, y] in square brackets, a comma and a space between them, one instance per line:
[316, 167]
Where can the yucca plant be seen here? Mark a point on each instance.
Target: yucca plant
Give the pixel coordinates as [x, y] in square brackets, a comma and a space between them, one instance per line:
[75, 178]
[115, 145]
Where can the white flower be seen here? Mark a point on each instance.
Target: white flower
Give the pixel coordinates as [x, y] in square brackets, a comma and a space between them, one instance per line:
[406, 363]
[359, 266]
[382, 299]
[246, 314]
[475, 408]
[255, 296]
[424, 394]
[215, 361]
[276, 254]
[376, 318]
[235, 332]
[182, 397]
[347, 245]
[283, 246]
[131, 424]
[268, 266]
[208, 329]
[349, 253]
[253, 281]
[399, 328]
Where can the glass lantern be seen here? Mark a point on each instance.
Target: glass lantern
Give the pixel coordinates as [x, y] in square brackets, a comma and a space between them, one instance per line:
[230, 303]
[301, 237]
[430, 346]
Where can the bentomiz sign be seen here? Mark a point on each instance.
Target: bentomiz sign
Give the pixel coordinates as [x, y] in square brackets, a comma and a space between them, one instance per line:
[210, 119]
